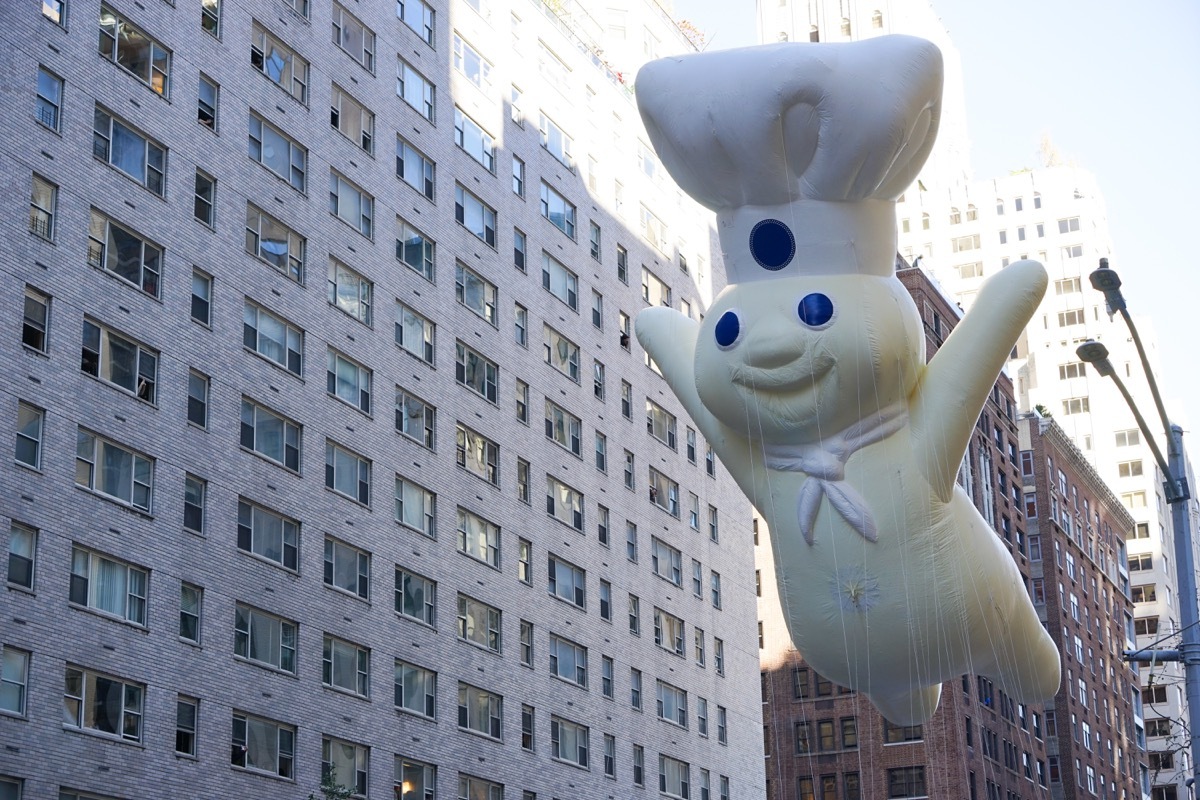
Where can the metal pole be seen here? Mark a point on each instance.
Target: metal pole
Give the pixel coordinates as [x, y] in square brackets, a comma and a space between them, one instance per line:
[1189, 614]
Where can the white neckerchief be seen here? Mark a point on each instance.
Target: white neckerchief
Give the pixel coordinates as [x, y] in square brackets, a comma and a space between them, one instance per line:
[825, 465]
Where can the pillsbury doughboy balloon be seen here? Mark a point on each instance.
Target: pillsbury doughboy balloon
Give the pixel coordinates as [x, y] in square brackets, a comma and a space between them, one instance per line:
[808, 374]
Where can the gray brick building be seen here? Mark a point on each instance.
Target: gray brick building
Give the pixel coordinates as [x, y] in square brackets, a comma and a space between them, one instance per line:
[329, 463]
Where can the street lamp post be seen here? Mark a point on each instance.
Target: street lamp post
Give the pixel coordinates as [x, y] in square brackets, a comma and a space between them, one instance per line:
[1177, 493]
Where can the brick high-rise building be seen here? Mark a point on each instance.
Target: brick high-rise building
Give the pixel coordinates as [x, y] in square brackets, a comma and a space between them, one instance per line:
[332, 453]
[1096, 735]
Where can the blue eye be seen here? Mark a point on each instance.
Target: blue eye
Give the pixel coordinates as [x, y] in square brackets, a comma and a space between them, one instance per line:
[728, 330]
[815, 310]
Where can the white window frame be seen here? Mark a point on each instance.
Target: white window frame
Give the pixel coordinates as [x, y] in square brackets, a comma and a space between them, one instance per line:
[351, 204]
[150, 64]
[476, 372]
[290, 68]
[412, 244]
[479, 623]
[415, 168]
[561, 353]
[290, 437]
[568, 660]
[477, 454]
[405, 598]
[476, 293]
[348, 380]
[478, 538]
[281, 635]
[106, 237]
[135, 485]
[415, 689]
[347, 473]
[415, 89]
[569, 742]
[560, 281]
[564, 503]
[282, 752]
[409, 409]
[347, 568]
[345, 666]
[354, 38]
[31, 422]
[419, 16]
[475, 215]
[407, 321]
[103, 347]
[472, 139]
[282, 343]
[265, 138]
[557, 210]
[270, 240]
[566, 581]
[470, 64]
[81, 691]
[268, 534]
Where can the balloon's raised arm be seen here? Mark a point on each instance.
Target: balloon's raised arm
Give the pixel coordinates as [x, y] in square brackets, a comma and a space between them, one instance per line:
[957, 381]
[670, 339]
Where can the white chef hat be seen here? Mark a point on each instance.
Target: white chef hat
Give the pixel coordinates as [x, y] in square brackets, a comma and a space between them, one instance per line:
[801, 149]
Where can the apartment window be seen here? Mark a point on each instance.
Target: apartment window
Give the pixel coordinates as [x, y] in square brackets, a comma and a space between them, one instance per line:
[205, 198]
[664, 492]
[561, 353]
[473, 788]
[1129, 469]
[194, 492]
[109, 469]
[126, 45]
[672, 704]
[521, 326]
[525, 561]
[416, 597]
[417, 15]
[560, 281]
[1073, 317]
[30, 422]
[110, 586]
[715, 584]
[654, 290]
[666, 561]
[668, 632]
[1075, 405]
[639, 765]
[119, 362]
[698, 579]
[275, 243]
[414, 333]
[476, 372]
[660, 424]
[272, 337]
[107, 705]
[416, 507]
[277, 152]
[261, 745]
[476, 293]
[610, 756]
[906, 782]
[556, 140]
[635, 615]
[622, 265]
[479, 145]
[347, 473]
[719, 656]
[702, 716]
[673, 777]
[635, 689]
[605, 600]
[519, 249]
[654, 230]
[631, 541]
[1128, 438]
[558, 210]
[278, 62]
[710, 461]
[627, 400]
[478, 538]
[518, 177]
[271, 435]
[480, 711]
[345, 666]
[22, 554]
[187, 710]
[347, 568]
[267, 534]
[598, 380]
[1069, 225]
[35, 320]
[471, 64]
[714, 531]
[569, 741]
[475, 215]
[264, 638]
[526, 642]
[121, 252]
[345, 764]
[722, 724]
[351, 204]
[42, 205]
[415, 689]
[414, 89]
[350, 291]
[207, 102]
[49, 98]
[564, 503]
[479, 623]
[568, 660]
[601, 452]
[606, 677]
[356, 39]
[567, 581]
[349, 381]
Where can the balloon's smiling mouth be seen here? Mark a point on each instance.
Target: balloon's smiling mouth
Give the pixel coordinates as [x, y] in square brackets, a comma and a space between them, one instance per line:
[797, 375]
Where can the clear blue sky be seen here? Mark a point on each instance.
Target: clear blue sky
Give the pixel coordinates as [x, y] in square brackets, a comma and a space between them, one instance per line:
[1117, 88]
